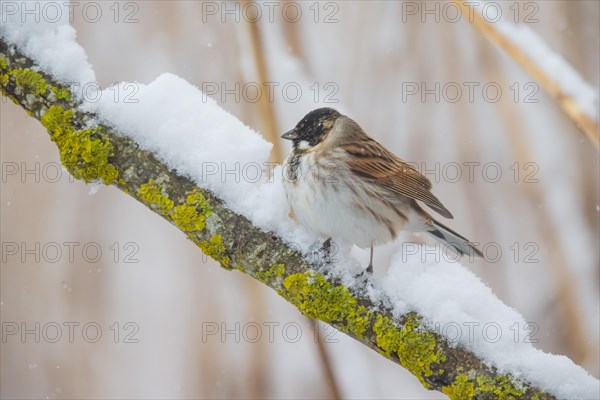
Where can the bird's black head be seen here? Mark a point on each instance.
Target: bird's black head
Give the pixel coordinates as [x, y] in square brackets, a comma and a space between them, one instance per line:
[313, 127]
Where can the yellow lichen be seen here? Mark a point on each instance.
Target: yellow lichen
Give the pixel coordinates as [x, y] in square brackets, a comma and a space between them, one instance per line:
[501, 387]
[61, 93]
[276, 271]
[30, 81]
[191, 215]
[416, 350]
[316, 298]
[216, 250]
[85, 153]
[3, 70]
[152, 193]
[461, 388]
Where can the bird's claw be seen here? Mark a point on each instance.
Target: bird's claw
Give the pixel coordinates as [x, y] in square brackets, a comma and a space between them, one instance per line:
[367, 273]
[326, 250]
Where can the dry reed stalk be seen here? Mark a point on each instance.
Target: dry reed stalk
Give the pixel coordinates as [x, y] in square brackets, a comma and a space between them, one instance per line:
[584, 122]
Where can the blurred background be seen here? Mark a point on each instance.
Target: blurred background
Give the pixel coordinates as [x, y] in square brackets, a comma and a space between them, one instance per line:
[126, 307]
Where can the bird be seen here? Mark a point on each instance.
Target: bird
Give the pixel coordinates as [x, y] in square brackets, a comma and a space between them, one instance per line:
[341, 183]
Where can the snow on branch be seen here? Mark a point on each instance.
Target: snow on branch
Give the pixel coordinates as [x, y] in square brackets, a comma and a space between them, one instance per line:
[575, 96]
[162, 150]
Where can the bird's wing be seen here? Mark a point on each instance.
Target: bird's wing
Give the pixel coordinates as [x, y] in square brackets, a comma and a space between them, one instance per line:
[372, 161]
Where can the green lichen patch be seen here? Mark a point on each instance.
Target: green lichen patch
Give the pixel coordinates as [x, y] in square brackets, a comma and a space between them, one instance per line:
[316, 298]
[188, 217]
[216, 250]
[485, 387]
[461, 389]
[61, 93]
[30, 81]
[498, 387]
[3, 71]
[152, 193]
[417, 350]
[191, 215]
[85, 153]
[276, 271]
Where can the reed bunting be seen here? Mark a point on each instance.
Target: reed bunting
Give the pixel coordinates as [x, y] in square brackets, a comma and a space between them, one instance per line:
[340, 183]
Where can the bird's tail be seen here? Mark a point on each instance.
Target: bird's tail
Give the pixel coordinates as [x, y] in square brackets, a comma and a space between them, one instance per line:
[447, 236]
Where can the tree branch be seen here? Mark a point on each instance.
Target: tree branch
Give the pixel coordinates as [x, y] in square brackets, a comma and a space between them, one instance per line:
[99, 153]
[583, 121]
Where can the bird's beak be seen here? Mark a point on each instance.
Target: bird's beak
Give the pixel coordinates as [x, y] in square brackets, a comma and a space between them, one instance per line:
[290, 135]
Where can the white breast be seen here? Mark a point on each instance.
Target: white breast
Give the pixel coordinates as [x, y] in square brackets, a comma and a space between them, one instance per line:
[328, 201]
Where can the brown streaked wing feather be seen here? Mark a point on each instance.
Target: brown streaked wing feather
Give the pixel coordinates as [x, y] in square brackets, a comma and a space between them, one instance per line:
[373, 161]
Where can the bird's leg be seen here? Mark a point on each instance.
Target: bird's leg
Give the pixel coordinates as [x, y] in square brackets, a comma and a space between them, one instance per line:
[370, 267]
[369, 270]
